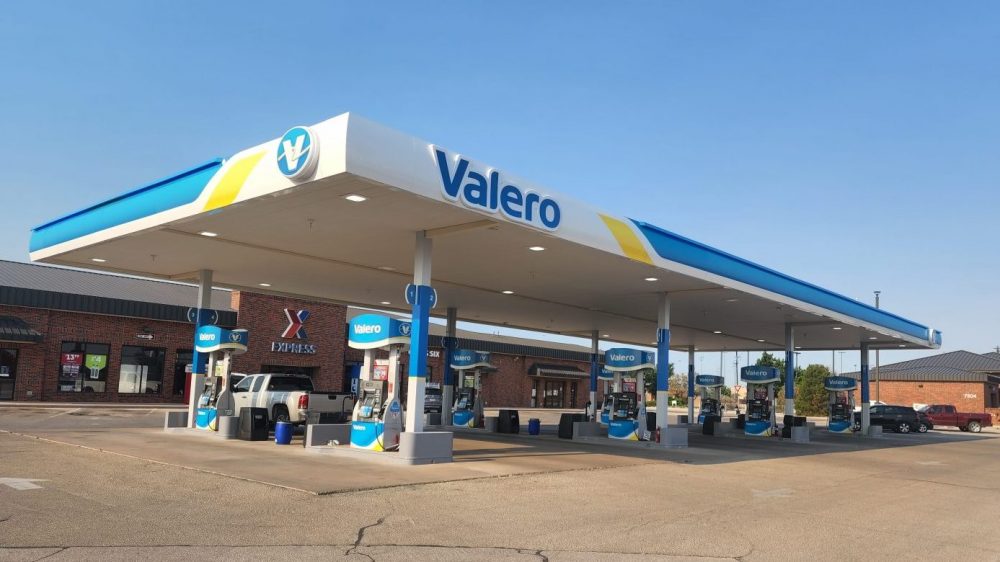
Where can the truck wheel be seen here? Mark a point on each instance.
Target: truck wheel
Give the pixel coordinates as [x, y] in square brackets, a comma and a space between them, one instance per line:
[922, 427]
[974, 426]
[280, 414]
[903, 427]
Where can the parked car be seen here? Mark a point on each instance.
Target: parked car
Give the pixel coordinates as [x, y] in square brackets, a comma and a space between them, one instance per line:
[290, 398]
[901, 419]
[432, 398]
[946, 414]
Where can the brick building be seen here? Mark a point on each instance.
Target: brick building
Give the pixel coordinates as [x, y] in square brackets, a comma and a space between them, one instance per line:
[70, 335]
[970, 381]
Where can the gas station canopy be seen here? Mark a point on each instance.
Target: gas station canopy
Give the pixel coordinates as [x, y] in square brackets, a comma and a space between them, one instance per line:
[331, 212]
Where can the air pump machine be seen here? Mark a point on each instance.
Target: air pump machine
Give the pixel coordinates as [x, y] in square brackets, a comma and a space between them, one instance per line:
[216, 397]
[625, 411]
[760, 416]
[709, 388]
[468, 407]
[378, 416]
[840, 415]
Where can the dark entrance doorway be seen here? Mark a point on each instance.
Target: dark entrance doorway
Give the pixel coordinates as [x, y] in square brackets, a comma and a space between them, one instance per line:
[288, 370]
[8, 372]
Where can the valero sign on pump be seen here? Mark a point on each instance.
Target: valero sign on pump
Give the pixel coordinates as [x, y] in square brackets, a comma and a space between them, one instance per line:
[486, 190]
[369, 331]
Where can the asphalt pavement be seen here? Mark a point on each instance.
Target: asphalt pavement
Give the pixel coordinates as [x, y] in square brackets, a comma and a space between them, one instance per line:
[113, 486]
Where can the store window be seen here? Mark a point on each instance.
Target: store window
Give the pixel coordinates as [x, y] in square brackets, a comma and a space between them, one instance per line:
[142, 370]
[83, 367]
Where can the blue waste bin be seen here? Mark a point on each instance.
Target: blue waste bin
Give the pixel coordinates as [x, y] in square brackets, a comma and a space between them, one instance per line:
[534, 426]
[283, 433]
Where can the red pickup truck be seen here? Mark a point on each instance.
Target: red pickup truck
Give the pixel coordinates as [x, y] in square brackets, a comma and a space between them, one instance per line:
[946, 414]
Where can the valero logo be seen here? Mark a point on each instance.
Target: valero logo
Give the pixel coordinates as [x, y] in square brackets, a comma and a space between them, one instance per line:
[486, 191]
[298, 152]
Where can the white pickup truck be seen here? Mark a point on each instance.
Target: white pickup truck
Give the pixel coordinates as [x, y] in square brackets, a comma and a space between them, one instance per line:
[290, 398]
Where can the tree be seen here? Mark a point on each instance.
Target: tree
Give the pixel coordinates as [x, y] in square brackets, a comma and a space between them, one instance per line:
[768, 360]
[675, 383]
[811, 397]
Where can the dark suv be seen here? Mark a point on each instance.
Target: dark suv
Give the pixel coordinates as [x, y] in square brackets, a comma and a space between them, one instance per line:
[901, 419]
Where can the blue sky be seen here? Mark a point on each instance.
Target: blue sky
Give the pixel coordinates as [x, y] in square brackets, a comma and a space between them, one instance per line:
[850, 144]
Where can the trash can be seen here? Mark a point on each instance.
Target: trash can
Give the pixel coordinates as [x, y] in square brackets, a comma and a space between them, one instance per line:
[708, 428]
[566, 424]
[741, 421]
[534, 426]
[283, 433]
[253, 424]
[509, 422]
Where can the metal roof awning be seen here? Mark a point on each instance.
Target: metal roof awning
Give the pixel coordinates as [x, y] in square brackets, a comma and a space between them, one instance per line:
[13, 329]
[506, 252]
[546, 370]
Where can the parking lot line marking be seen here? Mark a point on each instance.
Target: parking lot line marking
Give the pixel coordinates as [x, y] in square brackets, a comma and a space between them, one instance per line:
[21, 483]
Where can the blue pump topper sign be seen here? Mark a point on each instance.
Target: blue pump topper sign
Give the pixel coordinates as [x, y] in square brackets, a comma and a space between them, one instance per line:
[839, 383]
[213, 338]
[760, 375]
[620, 359]
[606, 374]
[369, 331]
[462, 359]
[709, 380]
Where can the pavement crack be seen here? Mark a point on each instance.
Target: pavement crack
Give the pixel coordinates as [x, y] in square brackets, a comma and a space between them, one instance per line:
[361, 537]
[51, 554]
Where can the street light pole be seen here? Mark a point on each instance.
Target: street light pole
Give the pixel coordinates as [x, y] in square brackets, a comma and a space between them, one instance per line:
[877, 377]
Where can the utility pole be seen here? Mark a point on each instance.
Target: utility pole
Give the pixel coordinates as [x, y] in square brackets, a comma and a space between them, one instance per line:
[877, 377]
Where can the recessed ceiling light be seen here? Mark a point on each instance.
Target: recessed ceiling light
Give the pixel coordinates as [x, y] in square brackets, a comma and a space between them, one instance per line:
[873, 337]
[536, 248]
[209, 233]
[902, 345]
[507, 292]
[716, 331]
[798, 347]
[387, 268]
[385, 302]
[655, 343]
[264, 284]
[98, 260]
[652, 279]
[732, 300]
[605, 335]
[761, 341]
[355, 198]
[838, 328]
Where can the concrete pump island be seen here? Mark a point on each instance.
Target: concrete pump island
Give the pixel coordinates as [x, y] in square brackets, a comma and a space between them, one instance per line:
[351, 212]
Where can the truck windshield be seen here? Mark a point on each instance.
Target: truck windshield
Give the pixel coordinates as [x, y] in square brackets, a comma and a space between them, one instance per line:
[290, 384]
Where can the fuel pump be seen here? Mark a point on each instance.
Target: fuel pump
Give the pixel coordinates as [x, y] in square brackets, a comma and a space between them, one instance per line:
[608, 404]
[216, 398]
[709, 388]
[840, 406]
[625, 409]
[468, 407]
[760, 415]
[377, 420]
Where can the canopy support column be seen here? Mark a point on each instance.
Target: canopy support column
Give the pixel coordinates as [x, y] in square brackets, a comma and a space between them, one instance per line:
[662, 365]
[789, 370]
[420, 321]
[198, 360]
[691, 418]
[595, 370]
[448, 388]
[865, 396]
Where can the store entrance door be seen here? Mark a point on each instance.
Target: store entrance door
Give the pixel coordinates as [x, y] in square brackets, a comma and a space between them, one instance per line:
[8, 372]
